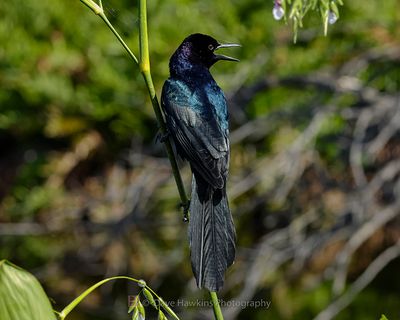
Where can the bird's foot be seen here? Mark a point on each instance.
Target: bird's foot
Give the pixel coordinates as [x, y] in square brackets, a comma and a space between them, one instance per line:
[185, 207]
[163, 136]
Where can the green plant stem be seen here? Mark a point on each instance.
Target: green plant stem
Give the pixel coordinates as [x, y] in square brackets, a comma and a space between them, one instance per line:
[108, 23]
[144, 65]
[98, 10]
[63, 314]
[217, 309]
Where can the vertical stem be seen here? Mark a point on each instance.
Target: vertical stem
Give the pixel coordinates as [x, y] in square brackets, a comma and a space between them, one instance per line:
[144, 65]
[217, 309]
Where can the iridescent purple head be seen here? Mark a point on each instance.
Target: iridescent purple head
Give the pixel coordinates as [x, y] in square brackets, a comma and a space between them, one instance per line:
[199, 49]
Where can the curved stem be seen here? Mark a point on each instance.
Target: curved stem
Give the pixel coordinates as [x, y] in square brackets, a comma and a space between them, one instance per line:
[62, 315]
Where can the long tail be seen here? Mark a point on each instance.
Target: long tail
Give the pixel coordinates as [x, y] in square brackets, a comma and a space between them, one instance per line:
[211, 234]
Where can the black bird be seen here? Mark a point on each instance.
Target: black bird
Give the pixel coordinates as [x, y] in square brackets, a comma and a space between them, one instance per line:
[197, 119]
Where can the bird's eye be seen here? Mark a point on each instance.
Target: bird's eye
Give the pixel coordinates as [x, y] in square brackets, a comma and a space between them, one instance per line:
[211, 47]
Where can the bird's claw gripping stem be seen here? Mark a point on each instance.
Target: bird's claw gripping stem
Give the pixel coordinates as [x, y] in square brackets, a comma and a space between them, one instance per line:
[185, 207]
[163, 136]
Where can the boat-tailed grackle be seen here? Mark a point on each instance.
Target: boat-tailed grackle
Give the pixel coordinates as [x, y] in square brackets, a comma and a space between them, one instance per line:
[197, 119]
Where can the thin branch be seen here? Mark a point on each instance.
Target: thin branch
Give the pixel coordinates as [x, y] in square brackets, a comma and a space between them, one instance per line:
[98, 10]
[358, 238]
[368, 275]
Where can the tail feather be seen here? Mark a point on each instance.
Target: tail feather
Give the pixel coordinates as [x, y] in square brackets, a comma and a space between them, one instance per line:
[211, 234]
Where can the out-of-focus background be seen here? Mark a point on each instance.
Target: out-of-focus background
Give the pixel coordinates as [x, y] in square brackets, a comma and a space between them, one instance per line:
[86, 192]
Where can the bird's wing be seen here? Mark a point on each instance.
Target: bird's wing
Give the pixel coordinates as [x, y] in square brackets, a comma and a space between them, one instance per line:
[195, 128]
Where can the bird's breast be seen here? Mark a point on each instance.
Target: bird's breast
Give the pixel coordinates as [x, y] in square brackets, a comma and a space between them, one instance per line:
[201, 95]
[217, 101]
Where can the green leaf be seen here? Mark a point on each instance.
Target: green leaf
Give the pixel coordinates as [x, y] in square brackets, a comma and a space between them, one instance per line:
[134, 304]
[324, 15]
[93, 5]
[149, 297]
[325, 4]
[141, 309]
[161, 315]
[21, 295]
[135, 315]
[383, 317]
[335, 9]
[295, 29]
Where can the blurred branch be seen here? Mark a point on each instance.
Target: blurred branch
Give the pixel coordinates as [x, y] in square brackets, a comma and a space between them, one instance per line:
[375, 116]
[22, 229]
[286, 164]
[389, 129]
[366, 277]
[362, 61]
[345, 81]
[378, 220]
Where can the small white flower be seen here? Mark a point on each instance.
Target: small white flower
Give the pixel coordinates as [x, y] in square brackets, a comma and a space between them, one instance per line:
[332, 18]
[277, 11]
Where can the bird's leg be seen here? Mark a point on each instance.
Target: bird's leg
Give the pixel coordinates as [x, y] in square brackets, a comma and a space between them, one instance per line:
[185, 207]
[163, 136]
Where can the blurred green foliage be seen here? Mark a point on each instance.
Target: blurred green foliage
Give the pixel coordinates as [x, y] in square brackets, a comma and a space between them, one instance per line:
[64, 78]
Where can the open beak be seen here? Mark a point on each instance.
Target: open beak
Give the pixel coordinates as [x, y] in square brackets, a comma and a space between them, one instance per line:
[224, 57]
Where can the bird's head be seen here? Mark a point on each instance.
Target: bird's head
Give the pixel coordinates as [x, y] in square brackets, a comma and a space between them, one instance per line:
[200, 48]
